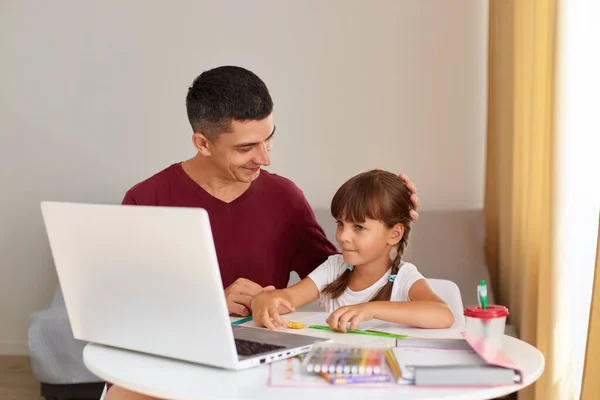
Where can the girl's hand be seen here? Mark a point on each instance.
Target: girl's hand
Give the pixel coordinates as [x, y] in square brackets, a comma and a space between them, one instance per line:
[338, 320]
[264, 309]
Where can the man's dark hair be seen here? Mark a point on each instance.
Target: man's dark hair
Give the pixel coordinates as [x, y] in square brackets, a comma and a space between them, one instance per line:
[223, 94]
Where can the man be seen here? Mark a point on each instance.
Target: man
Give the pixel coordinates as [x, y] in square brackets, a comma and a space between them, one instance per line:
[263, 226]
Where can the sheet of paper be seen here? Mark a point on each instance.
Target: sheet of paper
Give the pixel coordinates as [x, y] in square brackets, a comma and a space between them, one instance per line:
[378, 325]
[321, 318]
[400, 329]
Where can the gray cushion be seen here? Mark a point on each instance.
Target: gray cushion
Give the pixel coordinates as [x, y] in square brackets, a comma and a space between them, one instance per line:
[56, 357]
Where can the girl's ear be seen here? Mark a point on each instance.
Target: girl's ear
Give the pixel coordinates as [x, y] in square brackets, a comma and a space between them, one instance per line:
[395, 234]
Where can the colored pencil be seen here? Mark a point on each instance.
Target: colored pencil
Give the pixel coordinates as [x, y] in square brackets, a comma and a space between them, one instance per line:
[350, 379]
[241, 321]
[393, 364]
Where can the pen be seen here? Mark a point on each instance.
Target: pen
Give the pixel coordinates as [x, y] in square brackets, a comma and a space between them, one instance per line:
[482, 294]
[335, 360]
[374, 362]
[328, 360]
[349, 379]
[241, 321]
[354, 361]
[393, 364]
[370, 333]
[339, 368]
[315, 360]
[363, 361]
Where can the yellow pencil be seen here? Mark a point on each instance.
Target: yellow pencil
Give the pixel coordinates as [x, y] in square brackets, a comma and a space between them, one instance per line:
[393, 364]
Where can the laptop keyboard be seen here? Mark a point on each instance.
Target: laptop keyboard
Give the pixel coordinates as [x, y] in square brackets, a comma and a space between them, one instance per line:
[250, 348]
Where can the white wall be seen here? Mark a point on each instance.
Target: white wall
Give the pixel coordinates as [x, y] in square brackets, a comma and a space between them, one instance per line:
[93, 102]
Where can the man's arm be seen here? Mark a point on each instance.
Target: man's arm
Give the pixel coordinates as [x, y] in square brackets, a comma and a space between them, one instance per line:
[129, 200]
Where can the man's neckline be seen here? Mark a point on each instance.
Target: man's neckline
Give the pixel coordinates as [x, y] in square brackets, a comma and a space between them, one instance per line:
[204, 193]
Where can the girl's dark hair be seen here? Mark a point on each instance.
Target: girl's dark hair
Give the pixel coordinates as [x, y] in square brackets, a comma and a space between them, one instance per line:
[377, 195]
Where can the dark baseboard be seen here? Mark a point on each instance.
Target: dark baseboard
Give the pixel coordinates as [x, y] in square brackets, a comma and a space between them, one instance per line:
[73, 391]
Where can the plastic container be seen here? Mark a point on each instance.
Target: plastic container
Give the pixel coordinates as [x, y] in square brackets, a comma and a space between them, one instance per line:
[488, 323]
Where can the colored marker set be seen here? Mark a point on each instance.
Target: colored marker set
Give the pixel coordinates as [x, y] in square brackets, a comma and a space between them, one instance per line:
[343, 365]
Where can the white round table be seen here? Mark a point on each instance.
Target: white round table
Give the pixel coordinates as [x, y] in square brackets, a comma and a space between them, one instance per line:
[173, 379]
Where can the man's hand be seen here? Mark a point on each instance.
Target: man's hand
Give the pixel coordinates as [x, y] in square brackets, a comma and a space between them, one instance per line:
[239, 295]
[353, 315]
[413, 198]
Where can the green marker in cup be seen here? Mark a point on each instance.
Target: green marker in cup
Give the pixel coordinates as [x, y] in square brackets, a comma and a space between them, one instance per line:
[482, 294]
[482, 298]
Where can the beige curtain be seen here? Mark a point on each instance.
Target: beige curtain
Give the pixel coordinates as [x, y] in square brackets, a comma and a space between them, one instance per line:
[520, 181]
[591, 371]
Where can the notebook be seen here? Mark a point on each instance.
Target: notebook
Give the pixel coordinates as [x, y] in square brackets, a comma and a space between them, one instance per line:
[468, 362]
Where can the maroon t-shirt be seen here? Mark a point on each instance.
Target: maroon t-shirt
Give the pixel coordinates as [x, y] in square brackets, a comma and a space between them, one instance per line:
[263, 235]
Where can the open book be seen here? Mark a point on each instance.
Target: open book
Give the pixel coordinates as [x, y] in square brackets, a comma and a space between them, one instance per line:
[469, 362]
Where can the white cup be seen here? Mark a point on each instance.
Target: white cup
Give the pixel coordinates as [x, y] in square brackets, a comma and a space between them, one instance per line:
[488, 324]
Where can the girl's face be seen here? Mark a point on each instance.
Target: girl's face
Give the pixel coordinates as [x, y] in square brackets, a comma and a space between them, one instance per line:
[366, 242]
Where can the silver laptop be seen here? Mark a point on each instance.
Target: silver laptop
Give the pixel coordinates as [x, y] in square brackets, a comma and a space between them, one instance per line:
[147, 279]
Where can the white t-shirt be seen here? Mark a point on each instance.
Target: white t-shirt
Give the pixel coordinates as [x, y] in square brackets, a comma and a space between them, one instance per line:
[335, 266]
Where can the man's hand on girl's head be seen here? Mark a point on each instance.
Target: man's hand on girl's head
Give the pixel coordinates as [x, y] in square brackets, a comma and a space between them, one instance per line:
[413, 198]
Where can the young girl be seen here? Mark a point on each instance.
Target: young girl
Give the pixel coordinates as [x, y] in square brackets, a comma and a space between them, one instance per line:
[368, 280]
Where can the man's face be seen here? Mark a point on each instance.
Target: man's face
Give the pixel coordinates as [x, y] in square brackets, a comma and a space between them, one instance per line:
[241, 153]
